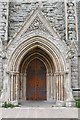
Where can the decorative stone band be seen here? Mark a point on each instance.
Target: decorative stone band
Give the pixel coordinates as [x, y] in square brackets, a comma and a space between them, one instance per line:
[4, 11]
[71, 20]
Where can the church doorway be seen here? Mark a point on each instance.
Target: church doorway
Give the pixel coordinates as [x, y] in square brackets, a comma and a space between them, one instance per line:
[39, 74]
[36, 80]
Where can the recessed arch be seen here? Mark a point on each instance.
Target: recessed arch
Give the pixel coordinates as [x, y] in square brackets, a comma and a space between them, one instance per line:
[40, 54]
[37, 53]
[44, 50]
[45, 45]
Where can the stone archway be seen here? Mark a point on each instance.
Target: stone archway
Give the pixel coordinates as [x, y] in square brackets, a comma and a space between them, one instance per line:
[37, 53]
[51, 58]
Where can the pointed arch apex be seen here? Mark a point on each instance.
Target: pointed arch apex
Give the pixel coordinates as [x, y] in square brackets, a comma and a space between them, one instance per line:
[36, 21]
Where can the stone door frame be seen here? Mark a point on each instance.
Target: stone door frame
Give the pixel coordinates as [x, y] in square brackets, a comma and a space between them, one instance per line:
[59, 61]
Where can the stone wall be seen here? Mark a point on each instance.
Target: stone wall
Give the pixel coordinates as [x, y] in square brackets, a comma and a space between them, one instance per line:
[55, 15]
[78, 16]
[53, 11]
[72, 42]
[3, 37]
[1, 75]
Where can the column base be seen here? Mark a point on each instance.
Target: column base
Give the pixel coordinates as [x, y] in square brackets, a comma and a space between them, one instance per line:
[60, 103]
[50, 100]
[15, 102]
[70, 103]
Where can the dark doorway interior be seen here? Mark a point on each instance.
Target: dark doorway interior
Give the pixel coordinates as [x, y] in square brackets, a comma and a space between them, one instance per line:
[36, 80]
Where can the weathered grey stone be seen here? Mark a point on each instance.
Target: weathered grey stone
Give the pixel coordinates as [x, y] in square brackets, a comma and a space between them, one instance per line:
[54, 13]
[47, 10]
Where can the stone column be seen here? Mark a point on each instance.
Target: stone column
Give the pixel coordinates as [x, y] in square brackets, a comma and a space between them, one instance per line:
[11, 98]
[14, 87]
[9, 86]
[62, 88]
[59, 87]
[17, 87]
[21, 85]
[48, 87]
[24, 86]
[54, 84]
[51, 81]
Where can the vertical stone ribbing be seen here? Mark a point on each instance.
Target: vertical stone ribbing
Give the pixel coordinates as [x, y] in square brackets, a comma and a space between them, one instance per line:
[17, 86]
[72, 40]
[11, 88]
[60, 92]
[4, 21]
[48, 86]
[3, 35]
[71, 20]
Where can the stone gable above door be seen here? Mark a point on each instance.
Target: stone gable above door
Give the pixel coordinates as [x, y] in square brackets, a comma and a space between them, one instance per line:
[36, 22]
[36, 25]
[20, 11]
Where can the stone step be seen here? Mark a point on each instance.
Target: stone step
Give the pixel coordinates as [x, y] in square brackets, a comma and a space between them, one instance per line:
[39, 112]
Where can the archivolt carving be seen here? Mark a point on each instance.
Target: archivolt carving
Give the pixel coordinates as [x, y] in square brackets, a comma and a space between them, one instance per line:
[37, 24]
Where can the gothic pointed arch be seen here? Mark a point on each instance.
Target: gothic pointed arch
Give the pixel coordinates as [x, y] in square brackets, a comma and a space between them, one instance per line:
[38, 40]
[36, 21]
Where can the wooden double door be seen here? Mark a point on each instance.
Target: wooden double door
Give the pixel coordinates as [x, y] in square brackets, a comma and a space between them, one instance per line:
[36, 80]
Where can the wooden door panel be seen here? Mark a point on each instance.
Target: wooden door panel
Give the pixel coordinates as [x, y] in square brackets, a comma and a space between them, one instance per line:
[36, 80]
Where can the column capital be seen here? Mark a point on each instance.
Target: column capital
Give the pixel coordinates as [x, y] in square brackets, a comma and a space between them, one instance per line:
[59, 73]
[50, 74]
[12, 72]
[47, 74]
[23, 74]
